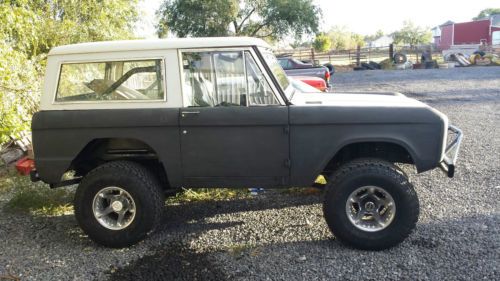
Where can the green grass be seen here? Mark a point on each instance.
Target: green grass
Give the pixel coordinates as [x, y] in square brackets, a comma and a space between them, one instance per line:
[38, 199]
[207, 194]
[35, 198]
[302, 191]
[320, 179]
[307, 190]
[6, 179]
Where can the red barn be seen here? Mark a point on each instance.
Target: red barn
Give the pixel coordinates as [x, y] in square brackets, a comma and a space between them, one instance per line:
[446, 36]
[474, 32]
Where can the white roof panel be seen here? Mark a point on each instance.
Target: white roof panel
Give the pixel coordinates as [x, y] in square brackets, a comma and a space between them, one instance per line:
[156, 44]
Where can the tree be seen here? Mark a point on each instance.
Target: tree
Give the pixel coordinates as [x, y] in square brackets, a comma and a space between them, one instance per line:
[358, 39]
[270, 19]
[486, 13]
[197, 18]
[19, 91]
[29, 28]
[38, 25]
[370, 38]
[322, 43]
[343, 39]
[412, 35]
[301, 44]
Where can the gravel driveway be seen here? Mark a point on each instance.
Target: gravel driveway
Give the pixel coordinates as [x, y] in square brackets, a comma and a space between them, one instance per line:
[282, 236]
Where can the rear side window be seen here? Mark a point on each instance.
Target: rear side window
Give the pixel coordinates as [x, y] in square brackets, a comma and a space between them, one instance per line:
[110, 81]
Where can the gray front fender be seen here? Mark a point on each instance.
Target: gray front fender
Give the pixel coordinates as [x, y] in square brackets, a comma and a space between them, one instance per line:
[318, 133]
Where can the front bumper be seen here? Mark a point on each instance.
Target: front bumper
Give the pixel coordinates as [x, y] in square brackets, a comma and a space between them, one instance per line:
[451, 152]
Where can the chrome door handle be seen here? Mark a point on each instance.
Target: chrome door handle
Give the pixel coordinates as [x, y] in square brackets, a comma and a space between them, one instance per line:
[184, 113]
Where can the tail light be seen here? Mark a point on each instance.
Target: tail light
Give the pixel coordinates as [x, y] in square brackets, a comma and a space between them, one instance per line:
[317, 83]
[25, 165]
[327, 75]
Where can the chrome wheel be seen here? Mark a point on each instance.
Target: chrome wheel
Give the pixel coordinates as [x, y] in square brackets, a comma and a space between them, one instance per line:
[114, 208]
[370, 208]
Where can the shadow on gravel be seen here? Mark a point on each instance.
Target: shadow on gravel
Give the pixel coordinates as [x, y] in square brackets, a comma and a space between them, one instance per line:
[435, 243]
[174, 261]
[172, 256]
[448, 249]
[179, 214]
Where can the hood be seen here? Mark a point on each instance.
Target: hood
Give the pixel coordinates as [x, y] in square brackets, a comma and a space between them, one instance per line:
[355, 99]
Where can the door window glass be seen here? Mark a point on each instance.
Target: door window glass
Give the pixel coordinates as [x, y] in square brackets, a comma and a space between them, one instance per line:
[260, 93]
[224, 78]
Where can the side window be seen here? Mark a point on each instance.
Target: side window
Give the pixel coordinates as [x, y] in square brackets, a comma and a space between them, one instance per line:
[260, 93]
[107, 81]
[223, 78]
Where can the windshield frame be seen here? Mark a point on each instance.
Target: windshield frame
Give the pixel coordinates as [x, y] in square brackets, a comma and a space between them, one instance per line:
[286, 92]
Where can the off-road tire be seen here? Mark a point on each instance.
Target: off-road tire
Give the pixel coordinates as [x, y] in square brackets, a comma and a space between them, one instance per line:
[374, 65]
[370, 172]
[367, 66]
[143, 187]
[400, 58]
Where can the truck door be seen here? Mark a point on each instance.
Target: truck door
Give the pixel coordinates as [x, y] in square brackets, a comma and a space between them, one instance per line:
[234, 131]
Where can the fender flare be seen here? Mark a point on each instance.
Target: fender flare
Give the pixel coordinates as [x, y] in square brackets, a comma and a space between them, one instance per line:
[331, 154]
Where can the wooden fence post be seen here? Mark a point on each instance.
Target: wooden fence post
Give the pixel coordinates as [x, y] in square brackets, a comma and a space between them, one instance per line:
[312, 55]
[358, 55]
[391, 51]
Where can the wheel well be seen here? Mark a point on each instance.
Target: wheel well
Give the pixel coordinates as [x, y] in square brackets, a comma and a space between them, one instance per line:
[100, 151]
[391, 152]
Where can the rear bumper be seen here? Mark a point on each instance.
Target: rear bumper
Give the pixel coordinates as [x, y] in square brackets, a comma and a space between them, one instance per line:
[451, 152]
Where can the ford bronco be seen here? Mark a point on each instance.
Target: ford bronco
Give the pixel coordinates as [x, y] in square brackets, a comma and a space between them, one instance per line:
[130, 121]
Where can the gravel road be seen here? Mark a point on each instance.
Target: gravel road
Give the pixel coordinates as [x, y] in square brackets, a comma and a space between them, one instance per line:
[282, 236]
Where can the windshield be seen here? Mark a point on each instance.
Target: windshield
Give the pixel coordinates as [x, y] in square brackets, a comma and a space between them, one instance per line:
[276, 68]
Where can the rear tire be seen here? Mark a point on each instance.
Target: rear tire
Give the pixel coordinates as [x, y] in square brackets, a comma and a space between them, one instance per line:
[370, 205]
[118, 203]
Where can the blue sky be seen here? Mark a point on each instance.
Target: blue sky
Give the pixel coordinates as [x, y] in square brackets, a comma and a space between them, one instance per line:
[367, 16]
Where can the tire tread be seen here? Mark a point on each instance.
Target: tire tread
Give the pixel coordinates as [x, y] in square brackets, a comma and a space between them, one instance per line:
[117, 169]
[379, 167]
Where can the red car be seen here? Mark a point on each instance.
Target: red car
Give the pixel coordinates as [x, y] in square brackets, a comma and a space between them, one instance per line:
[296, 68]
[315, 82]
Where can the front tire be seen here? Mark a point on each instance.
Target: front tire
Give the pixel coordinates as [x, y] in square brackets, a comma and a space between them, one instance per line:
[118, 203]
[370, 205]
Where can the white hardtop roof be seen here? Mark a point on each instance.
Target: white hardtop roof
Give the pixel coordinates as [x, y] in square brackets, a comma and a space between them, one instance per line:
[157, 44]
